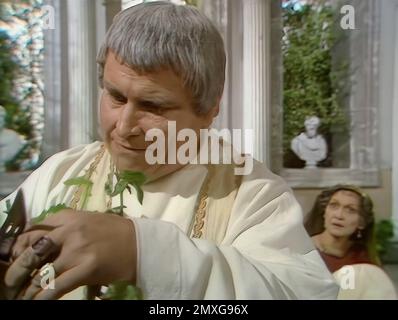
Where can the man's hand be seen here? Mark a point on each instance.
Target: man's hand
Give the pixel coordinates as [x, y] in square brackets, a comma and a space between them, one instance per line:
[89, 249]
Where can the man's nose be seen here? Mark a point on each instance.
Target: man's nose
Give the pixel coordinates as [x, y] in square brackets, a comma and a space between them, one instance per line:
[127, 123]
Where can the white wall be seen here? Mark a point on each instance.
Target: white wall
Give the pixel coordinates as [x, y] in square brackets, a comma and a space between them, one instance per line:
[389, 96]
[387, 46]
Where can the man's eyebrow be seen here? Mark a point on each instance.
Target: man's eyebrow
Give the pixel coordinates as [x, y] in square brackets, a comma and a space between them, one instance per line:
[159, 99]
[151, 96]
[112, 90]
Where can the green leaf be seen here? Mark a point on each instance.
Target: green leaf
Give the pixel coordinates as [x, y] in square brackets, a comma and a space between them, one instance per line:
[133, 177]
[78, 181]
[384, 233]
[118, 210]
[122, 290]
[119, 187]
[8, 207]
[140, 193]
[52, 210]
[56, 208]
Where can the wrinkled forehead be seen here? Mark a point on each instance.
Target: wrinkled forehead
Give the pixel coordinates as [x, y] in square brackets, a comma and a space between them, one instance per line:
[122, 77]
[115, 62]
[347, 196]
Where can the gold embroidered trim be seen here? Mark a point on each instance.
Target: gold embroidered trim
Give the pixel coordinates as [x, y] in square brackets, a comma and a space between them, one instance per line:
[201, 209]
[110, 181]
[78, 193]
[200, 212]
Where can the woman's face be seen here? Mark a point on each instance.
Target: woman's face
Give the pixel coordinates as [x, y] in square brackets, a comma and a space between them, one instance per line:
[343, 214]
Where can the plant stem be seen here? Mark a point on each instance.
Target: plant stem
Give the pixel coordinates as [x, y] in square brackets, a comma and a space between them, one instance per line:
[121, 203]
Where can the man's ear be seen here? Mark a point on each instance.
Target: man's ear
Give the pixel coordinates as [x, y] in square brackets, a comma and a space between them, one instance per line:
[212, 113]
[216, 109]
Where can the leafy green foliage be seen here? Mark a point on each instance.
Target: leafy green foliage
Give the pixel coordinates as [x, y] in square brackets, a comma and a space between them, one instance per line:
[81, 181]
[311, 80]
[136, 179]
[52, 210]
[8, 207]
[118, 210]
[122, 290]
[133, 177]
[125, 179]
[15, 119]
[78, 181]
[8, 68]
[21, 85]
[384, 233]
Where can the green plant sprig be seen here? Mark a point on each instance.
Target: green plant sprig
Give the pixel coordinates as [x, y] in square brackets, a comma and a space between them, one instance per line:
[125, 180]
[123, 290]
[52, 210]
[119, 290]
[82, 181]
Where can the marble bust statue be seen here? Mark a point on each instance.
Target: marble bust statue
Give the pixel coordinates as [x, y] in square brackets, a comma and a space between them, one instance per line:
[10, 142]
[309, 145]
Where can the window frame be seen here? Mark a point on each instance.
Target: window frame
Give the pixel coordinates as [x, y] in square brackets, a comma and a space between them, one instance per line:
[364, 111]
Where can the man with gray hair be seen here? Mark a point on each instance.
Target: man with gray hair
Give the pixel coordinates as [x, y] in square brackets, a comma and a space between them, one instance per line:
[193, 231]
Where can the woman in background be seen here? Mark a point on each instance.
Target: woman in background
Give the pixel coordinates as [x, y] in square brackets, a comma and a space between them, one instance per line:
[342, 226]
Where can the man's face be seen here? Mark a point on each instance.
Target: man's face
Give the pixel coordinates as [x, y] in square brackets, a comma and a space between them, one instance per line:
[133, 103]
[343, 214]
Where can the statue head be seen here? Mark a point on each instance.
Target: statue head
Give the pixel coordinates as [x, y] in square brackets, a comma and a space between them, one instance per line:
[2, 117]
[311, 126]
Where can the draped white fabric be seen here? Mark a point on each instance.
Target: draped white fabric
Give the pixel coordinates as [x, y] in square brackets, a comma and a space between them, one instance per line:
[265, 253]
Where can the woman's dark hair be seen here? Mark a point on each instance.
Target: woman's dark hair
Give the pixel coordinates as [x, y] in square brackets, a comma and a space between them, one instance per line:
[314, 223]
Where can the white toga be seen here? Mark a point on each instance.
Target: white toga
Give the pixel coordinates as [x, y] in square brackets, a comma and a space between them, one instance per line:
[254, 245]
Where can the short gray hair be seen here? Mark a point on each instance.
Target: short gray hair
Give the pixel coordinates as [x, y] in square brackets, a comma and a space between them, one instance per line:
[154, 35]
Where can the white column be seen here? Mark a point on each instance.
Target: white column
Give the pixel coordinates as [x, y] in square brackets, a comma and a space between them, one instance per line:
[81, 71]
[217, 12]
[53, 137]
[256, 74]
[394, 215]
